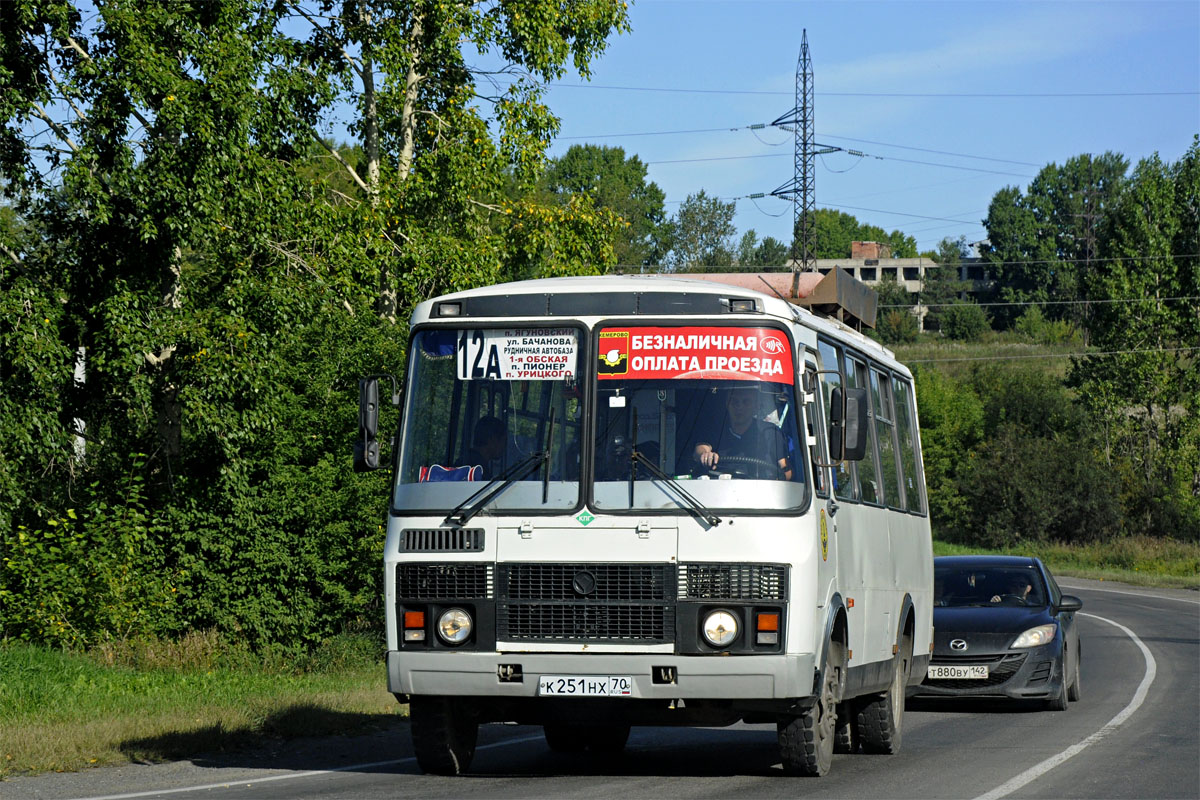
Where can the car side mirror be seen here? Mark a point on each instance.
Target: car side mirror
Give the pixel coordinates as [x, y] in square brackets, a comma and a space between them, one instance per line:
[847, 424]
[1069, 602]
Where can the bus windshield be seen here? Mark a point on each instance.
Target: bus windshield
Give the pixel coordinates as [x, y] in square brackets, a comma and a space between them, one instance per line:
[713, 408]
[490, 405]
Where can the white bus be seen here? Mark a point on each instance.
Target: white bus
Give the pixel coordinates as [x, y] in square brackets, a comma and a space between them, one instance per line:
[646, 500]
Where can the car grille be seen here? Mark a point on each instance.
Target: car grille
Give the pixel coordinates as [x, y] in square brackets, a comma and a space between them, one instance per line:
[585, 602]
[999, 670]
[733, 581]
[443, 581]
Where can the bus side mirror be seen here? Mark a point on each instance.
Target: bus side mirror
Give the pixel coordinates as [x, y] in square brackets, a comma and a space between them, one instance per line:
[366, 448]
[847, 424]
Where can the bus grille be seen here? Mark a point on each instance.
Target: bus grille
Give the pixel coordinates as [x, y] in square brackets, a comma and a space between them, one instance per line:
[443, 581]
[437, 540]
[586, 602]
[733, 581]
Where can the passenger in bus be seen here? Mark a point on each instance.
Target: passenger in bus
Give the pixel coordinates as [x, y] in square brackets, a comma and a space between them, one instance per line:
[744, 441]
[488, 445]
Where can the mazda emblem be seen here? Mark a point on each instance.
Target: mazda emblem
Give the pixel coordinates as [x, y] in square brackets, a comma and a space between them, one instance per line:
[958, 644]
[584, 583]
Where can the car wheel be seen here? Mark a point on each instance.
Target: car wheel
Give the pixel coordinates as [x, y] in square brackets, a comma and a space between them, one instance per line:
[1059, 701]
[444, 734]
[880, 719]
[1074, 691]
[806, 741]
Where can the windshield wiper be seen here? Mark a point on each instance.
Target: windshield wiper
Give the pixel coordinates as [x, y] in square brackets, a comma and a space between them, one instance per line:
[692, 504]
[516, 472]
[470, 507]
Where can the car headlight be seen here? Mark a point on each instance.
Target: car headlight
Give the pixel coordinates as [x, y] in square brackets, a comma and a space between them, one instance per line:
[454, 626]
[720, 628]
[1036, 637]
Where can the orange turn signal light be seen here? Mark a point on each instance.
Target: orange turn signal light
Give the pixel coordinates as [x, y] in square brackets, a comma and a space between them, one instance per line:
[768, 622]
[414, 619]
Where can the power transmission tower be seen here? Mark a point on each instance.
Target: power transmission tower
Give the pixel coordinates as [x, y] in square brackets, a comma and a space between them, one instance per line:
[802, 187]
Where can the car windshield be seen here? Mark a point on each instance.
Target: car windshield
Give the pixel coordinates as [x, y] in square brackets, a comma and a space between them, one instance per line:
[710, 411]
[982, 585]
[489, 405]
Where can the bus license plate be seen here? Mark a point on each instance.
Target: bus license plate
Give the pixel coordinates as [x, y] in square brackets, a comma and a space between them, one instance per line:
[943, 672]
[586, 686]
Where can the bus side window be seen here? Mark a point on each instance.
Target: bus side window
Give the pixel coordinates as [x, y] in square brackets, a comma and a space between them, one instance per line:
[845, 483]
[818, 450]
[906, 427]
[868, 474]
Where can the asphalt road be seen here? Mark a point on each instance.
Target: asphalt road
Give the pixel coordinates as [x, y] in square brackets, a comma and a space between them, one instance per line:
[1135, 734]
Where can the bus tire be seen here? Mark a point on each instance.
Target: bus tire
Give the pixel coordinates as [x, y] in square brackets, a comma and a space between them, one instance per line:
[609, 739]
[881, 718]
[444, 734]
[806, 741]
[565, 738]
[845, 736]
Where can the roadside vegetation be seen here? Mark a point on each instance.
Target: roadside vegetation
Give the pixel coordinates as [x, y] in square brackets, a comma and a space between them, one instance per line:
[153, 700]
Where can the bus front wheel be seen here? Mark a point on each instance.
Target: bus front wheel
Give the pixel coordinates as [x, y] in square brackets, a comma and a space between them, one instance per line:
[444, 733]
[806, 741]
[880, 719]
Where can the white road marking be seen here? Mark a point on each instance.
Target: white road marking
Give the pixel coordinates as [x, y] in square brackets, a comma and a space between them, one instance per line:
[1035, 772]
[1131, 594]
[293, 775]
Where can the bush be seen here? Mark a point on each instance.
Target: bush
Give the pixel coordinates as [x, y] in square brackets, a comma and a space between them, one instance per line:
[963, 321]
[1034, 326]
[1020, 488]
[897, 327]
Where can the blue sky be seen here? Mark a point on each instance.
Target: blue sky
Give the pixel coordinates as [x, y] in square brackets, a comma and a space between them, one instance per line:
[737, 61]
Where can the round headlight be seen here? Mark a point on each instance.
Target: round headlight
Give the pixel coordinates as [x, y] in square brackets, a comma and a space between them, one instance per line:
[454, 626]
[720, 628]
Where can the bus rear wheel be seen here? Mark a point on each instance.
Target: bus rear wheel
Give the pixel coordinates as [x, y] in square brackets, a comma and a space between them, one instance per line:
[444, 732]
[806, 741]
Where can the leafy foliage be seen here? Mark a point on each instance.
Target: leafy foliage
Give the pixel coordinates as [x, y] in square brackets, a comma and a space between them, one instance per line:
[702, 233]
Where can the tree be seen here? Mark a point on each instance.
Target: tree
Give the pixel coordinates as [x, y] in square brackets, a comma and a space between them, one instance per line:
[702, 234]
[187, 250]
[835, 230]
[1039, 242]
[770, 252]
[1144, 387]
[897, 322]
[617, 183]
[942, 287]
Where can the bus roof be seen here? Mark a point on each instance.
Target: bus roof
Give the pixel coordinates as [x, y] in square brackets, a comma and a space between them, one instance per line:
[607, 291]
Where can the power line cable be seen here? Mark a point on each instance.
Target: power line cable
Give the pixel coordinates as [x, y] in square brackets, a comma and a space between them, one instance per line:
[1053, 355]
[952, 95]
[1048, 302]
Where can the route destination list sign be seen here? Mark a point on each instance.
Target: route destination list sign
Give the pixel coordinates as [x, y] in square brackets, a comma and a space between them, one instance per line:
[535, 354]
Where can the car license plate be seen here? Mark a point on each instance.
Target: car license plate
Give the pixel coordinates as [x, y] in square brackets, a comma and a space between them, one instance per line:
[586, 685]
[943, 672]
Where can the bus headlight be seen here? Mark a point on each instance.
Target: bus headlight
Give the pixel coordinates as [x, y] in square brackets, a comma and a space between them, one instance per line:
[720, 628]
[454, 626]
[1036, 637]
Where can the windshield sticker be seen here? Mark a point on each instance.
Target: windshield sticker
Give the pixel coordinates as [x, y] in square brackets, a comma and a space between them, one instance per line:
[537, 354]
[699, 353]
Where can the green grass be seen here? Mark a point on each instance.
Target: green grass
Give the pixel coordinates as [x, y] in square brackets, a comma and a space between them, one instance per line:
[1141, 561]
[157, 701]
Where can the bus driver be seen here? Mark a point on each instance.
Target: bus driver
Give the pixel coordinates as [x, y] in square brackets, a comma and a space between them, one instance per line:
[743, 436]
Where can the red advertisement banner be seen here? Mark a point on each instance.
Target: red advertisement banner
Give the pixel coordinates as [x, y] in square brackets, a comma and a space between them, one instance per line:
[695, 353]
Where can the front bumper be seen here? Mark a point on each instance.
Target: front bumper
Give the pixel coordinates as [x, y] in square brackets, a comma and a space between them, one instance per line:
[758, 677]
[1035, 673]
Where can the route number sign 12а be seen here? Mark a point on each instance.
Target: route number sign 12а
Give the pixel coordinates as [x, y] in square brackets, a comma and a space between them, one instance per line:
[536, 354]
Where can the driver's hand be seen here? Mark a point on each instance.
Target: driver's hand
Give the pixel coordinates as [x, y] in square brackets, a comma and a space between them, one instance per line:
[995, 598]
[707, 456]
